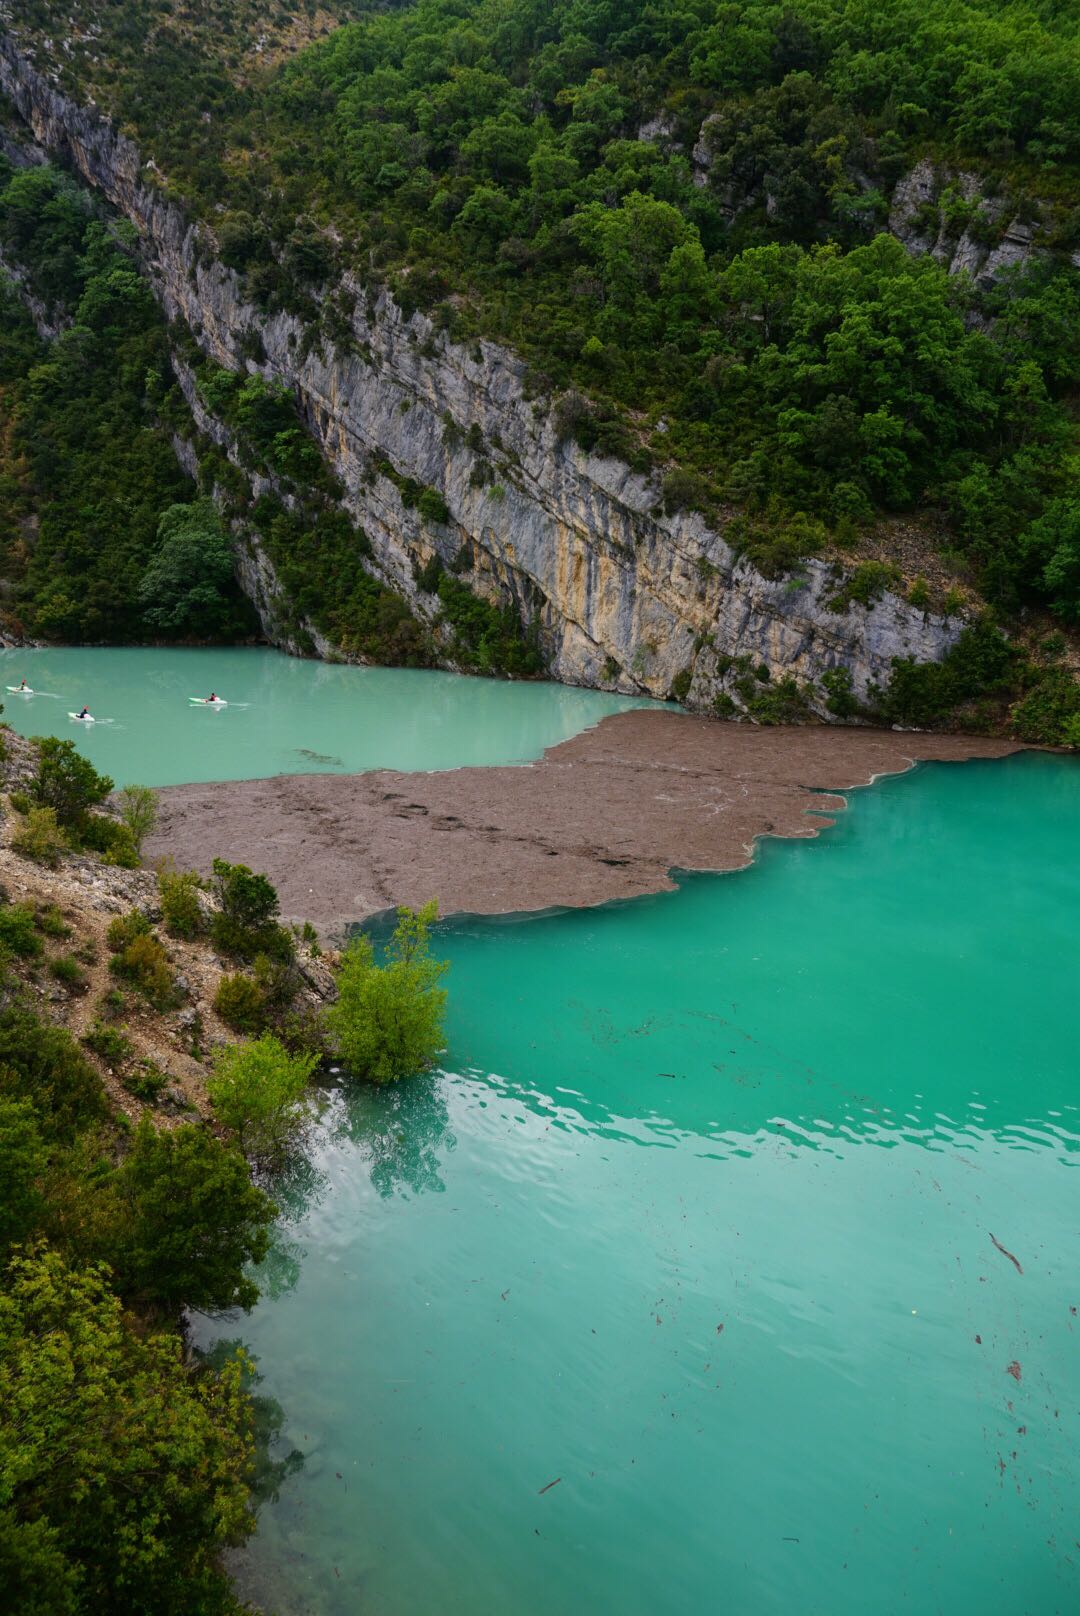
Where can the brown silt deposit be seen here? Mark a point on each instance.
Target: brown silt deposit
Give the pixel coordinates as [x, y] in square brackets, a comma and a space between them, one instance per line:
[608, 814]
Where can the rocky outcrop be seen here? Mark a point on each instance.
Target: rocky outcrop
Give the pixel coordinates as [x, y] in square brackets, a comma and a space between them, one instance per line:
[48, 323]
[622, 595]
[949, 214]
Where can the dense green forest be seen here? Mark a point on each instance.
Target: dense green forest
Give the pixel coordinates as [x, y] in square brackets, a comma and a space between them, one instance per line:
[678, 214]
[87, 471]
[717, 299]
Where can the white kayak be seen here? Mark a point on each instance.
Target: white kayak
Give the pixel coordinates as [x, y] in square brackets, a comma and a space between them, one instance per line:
[20, 690]
[204, 701]
[83, 718]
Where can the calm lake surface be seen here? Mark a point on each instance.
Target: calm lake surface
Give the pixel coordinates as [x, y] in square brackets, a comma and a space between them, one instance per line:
[678, 1291]
[285, 715]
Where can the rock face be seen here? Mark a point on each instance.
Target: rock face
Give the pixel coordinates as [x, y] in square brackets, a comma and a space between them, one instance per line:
[978, 236]
[622, 596]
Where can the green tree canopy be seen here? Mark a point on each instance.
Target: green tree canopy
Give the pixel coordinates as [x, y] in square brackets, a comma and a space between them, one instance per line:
[123, 1473]
[186, 586]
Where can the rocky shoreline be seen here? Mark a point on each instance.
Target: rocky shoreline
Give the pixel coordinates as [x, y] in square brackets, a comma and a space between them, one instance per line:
[608, 814]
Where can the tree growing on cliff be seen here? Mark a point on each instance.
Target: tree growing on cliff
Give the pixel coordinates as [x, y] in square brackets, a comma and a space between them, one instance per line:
[66, 781]
[387, 1022]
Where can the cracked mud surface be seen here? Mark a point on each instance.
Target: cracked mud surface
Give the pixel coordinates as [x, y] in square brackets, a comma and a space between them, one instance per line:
[607, 814]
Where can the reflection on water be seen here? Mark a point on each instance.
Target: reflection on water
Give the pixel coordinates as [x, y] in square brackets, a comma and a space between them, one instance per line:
[403, 1131]
[640, 1323]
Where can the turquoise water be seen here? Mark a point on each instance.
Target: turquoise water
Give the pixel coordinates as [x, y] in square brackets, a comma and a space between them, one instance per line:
[285, 715]
[697, 1225]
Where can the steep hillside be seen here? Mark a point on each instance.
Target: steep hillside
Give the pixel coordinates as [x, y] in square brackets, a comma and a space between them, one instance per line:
[650, 349]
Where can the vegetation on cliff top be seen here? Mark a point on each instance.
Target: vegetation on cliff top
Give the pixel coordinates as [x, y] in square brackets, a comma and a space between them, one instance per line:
[676, 214]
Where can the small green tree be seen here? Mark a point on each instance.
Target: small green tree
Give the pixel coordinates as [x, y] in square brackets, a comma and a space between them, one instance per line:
[257, 1088]
[246, 924]
[139, 812]
[387, 1022]
[66, 781]
[180, 906]
[240, 1003]
[191, 1222]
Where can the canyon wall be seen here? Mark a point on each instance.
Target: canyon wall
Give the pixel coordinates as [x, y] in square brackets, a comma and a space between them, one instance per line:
[623, 596]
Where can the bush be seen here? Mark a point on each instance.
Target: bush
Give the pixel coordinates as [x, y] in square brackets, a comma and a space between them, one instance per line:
[776, 545]
[41, 838]
[50, 921]
[124, 930]
[923, 693]
[865, 585]
[256, 1090]
[1049, 713]
[110, 1044]
[240, 1004]
[22, 1161]
[246, 923]
[680, 685]
[387, 1022]
[146, 1082]
[180, 906]
[17, 930]
[783, 702]
[145, 964]
[138, 807]
[66, 781]
[432, 506]
[44, 1066]
[67, 970]
[839, 685]
[110, 838]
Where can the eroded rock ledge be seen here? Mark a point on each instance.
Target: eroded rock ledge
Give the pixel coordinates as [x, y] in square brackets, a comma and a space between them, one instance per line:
[608, 814]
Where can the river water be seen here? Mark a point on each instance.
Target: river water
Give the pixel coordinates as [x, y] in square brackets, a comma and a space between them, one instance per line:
[730, 1265]
[285, 715]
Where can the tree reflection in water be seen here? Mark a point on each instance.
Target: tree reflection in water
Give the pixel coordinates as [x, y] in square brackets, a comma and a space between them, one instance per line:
[403, 1129]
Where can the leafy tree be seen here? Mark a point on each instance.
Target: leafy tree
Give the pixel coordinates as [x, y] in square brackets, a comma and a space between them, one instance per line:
[190, 1221]
[387, 1022]
[66, 781]
[246, 924]
[256, 1088]
[138, 812]
[123, 1473]
[186, 585]
[43, 1066]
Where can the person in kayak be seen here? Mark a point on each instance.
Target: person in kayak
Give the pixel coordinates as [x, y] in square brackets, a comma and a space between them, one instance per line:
[24, 685]
[85, 713]
[213, 696]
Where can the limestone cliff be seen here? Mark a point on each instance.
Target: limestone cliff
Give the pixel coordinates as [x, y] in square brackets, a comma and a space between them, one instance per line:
[623, 596]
